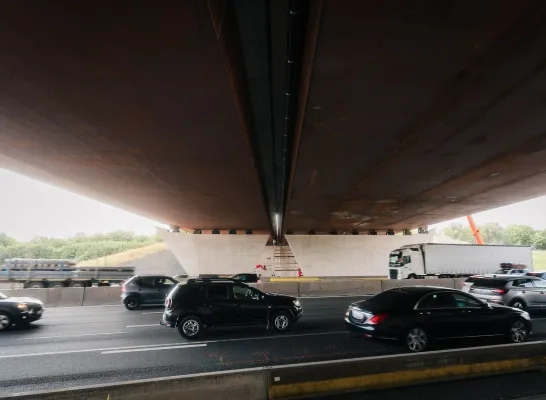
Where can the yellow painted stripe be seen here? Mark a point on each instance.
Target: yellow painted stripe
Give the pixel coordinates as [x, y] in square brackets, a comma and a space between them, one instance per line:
[398, 378]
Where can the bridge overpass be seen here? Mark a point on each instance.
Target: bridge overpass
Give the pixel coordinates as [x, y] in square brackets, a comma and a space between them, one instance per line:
[278, 116]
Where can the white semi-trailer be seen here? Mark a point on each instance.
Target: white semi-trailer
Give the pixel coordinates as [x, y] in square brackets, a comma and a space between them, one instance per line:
[425, 260]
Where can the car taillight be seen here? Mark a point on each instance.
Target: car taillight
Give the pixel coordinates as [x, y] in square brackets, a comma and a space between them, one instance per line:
[123, 288]
[168, 303]
[499, 291]
[376, 319]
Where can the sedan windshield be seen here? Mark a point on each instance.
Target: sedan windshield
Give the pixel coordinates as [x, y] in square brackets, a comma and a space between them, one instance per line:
[3, 296]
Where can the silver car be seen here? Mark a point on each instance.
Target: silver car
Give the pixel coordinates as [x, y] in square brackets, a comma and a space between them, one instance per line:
[521, 292]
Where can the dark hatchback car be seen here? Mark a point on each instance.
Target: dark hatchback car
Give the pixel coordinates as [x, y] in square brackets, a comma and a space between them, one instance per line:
[19, 311]
[204, 303]
[146, 290]
[418, 315]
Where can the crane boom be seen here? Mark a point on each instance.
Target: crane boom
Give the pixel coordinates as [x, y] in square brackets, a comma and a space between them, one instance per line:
[474, 229]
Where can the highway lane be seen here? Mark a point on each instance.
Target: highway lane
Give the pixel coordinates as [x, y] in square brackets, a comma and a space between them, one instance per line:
[90, 345]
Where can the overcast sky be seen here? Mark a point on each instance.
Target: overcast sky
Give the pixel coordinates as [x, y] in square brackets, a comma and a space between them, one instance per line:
[30, 208]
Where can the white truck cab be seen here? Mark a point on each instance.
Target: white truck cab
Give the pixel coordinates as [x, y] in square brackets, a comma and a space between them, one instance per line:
[406, 263]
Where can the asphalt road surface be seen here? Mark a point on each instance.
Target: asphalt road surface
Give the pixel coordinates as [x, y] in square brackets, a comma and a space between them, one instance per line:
[91, 345]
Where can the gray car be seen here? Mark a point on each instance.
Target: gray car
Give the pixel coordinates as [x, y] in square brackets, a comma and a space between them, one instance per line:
[521, 292]
[142, 290]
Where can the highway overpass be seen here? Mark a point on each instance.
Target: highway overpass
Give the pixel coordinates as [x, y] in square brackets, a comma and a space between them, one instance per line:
[281, 116]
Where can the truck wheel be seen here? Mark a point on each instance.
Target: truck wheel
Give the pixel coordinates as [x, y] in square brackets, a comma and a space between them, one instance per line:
[36, 285]
[56, 285]
[131, 303]
[76, 284]
[412, 276]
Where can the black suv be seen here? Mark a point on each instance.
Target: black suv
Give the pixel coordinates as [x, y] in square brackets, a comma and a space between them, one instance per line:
[146, 290]
[19, 311]
[223, 302]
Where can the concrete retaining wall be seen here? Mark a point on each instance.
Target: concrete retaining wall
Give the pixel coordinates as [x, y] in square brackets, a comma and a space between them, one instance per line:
[232, 385]
[96, 296]
[312, 380]
[287, 288]
[54, 297]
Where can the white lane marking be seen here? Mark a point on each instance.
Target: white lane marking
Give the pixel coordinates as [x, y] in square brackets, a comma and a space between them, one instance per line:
[72, 336]
[142, 326]
[152, 312]
[154, 348]
[50, 353]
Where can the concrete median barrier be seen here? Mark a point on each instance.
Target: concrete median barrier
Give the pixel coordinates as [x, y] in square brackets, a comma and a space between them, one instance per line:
[339, 288]
[97, 296]
[334, 377]
[393, 283]
[287, 288]
[54, 297]
[232, 385]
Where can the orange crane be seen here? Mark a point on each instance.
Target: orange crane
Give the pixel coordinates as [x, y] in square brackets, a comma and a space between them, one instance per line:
[474, 229]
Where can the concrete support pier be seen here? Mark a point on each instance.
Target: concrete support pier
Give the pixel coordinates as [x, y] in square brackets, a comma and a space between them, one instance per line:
[215, 254]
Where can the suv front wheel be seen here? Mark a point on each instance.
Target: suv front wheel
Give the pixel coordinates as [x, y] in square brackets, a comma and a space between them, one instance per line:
[281, 321]
[190, 328]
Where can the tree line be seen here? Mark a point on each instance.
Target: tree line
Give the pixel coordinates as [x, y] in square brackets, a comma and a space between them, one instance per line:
[79, 247]
[494, 233]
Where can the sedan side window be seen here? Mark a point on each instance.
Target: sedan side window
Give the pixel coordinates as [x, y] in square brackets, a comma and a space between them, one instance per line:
[464, 301]
[437, 300]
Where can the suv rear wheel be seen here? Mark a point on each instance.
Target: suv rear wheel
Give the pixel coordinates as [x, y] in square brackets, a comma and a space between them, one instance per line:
[131, 303]
[190, 328]
[518, 303]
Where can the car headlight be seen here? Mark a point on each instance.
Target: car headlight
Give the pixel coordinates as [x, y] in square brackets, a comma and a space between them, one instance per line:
[22, 306]
[297, 303]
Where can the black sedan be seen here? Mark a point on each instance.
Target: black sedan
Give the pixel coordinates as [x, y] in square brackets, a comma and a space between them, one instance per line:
[418, 315]
[19, 311]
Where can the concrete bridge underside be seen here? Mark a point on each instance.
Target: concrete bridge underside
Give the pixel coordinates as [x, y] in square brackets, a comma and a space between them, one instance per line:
[334, 114]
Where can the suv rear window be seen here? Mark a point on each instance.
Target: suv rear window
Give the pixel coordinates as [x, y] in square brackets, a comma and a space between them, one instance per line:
[182, 292]
[490, 283]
